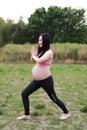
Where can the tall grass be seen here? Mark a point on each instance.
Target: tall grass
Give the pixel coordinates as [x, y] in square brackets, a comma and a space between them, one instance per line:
[13, 53]
[74, 52]
[62, 52]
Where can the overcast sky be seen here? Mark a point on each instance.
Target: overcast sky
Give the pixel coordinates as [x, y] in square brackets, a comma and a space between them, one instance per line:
[14, 9]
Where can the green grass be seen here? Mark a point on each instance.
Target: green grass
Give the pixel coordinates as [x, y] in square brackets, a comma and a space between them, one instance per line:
[70, 85]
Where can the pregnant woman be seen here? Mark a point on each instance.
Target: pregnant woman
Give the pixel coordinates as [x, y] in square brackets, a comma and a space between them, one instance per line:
[42, 77]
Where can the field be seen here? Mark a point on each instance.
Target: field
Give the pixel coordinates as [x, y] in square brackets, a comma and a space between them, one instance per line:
[71, 87]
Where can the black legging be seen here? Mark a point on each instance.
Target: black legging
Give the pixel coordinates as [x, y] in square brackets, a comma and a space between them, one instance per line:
[48, 85]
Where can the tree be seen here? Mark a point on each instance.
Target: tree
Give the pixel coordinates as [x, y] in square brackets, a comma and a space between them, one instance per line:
[20, 34]
[73, 25]
[65, 23]
[7, 31]
[36, 24]
[2, 22]
[53, 21]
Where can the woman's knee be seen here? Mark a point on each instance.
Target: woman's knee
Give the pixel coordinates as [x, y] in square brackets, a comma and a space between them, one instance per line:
[23, 94]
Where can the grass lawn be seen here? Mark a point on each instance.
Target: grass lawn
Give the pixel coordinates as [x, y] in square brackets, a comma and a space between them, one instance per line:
[70, 85]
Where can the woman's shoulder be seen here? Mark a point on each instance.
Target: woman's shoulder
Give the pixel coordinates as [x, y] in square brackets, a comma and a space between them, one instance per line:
[50, 51]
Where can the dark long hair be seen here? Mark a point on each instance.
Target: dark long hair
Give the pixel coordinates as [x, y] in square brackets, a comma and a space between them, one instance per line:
[46, 44]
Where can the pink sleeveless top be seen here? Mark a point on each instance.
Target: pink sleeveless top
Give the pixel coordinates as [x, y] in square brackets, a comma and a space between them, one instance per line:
[45, 63]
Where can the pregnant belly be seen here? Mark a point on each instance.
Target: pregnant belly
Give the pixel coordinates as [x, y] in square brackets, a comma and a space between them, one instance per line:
[39, 73]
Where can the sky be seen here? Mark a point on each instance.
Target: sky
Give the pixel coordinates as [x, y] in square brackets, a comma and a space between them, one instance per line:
[14, 9]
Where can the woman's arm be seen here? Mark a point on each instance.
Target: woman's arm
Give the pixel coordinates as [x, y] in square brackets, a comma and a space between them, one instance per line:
[32, 60]
[34, 51]
[46, 56]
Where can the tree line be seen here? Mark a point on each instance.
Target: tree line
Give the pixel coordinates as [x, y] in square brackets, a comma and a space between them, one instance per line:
[63, 24]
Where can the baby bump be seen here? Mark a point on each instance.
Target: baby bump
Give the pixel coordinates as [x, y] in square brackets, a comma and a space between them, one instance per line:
[39, 73]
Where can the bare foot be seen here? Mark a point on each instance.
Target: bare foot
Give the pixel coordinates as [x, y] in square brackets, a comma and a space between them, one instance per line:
[24, 117]
[65, 116]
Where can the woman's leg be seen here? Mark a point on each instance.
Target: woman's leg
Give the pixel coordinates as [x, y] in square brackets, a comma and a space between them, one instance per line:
[48, 86]
[26, 92]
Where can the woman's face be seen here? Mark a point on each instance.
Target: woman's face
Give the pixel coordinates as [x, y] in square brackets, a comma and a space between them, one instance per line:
[40, 44]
